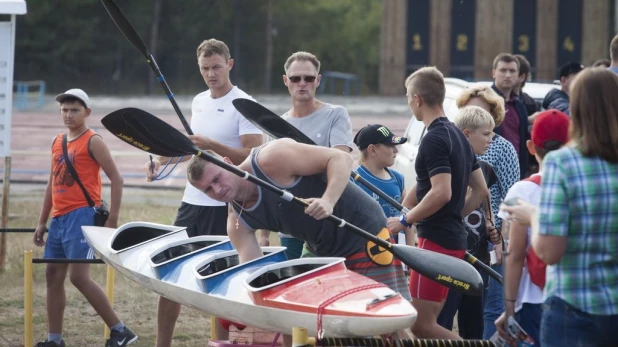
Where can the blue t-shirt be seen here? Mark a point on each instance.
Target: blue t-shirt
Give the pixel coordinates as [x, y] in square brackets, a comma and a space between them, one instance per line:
[392, 187]
[614, 69]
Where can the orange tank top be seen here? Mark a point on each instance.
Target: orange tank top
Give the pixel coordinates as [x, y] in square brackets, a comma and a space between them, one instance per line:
[66, 193]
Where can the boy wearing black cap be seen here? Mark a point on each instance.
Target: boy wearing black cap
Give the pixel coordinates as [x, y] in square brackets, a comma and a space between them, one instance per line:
[378, 146]
[559, 98]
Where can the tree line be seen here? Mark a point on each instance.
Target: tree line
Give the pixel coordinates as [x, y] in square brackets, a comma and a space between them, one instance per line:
[72, 43]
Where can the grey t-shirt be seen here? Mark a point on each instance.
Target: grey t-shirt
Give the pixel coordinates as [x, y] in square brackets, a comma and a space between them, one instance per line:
[329, 126]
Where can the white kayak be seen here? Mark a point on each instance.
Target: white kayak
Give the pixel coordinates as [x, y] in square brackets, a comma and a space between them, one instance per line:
[270, 293]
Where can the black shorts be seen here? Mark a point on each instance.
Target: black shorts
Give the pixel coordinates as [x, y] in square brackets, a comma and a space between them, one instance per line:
[202, 220]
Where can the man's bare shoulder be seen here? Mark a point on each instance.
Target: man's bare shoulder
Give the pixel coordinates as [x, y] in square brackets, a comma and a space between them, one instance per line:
[275, 148]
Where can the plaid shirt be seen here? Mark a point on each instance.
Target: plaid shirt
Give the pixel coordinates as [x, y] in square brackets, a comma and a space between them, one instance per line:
[579, 201]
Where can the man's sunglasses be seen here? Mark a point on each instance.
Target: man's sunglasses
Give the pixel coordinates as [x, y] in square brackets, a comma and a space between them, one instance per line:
[296, 79]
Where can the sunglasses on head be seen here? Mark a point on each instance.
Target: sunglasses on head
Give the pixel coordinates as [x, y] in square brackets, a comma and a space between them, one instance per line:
[296, 79]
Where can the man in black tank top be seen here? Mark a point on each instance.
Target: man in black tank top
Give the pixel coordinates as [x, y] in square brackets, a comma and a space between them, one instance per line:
[318, 175]
[445, 168]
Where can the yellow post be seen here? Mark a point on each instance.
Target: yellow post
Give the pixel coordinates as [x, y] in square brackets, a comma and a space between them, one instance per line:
[109, 289]
[28, 337]
[213, 327]
[300, 338]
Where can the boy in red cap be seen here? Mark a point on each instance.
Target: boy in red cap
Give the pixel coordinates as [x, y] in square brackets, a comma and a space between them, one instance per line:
[524, 272]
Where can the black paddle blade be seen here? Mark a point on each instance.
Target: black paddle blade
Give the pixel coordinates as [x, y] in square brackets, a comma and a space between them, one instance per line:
[142, 130]
[269, 122]
[449, 271]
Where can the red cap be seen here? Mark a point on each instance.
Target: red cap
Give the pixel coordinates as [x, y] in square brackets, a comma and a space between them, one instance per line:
[550, 125]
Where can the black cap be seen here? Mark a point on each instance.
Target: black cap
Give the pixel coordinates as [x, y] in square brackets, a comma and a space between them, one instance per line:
[570, 68]
[375, 133]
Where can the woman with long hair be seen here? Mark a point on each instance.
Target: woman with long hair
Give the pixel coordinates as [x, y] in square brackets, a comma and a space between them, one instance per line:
[576, 231]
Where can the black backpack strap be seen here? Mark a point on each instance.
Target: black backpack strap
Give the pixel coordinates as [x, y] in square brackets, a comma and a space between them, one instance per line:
[67, 162]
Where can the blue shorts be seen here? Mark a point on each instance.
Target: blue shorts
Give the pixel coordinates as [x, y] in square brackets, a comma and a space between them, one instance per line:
[65, 239]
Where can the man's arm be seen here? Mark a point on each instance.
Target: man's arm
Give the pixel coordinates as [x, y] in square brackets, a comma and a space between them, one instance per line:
[478, 193]
[410, 200]
[404, 194]
[341, 131]
[46, 208]
[345, 149]
[286, 159]
[439, 195]
[101, 154]
[434, 153]
[236, 155]
[47, 203]
[549, 248]
[243, 238]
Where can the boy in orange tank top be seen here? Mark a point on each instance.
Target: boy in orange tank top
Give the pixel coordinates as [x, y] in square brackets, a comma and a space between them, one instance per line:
[88, 153]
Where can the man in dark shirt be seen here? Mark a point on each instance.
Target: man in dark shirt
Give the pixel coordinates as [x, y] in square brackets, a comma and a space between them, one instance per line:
[515, 126]
[524, 73]
[531, 105]
[445, 167]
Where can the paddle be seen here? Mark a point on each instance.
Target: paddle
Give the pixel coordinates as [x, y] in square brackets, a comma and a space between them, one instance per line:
[276, 127]
[129, 32]
[147, 132]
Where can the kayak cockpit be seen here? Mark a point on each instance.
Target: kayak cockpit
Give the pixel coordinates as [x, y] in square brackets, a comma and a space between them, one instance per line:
[134, 234]
[168, 257]
[216, 271]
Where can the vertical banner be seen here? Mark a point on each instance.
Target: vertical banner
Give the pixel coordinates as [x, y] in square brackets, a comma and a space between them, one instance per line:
[417, 38]
[462, 38]
[524, 30]
[569, 32]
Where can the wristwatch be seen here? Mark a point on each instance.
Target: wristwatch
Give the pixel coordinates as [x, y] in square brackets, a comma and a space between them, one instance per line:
[402, 220]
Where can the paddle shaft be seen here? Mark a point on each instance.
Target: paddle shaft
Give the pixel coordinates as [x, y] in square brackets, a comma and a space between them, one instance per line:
[131, 35]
